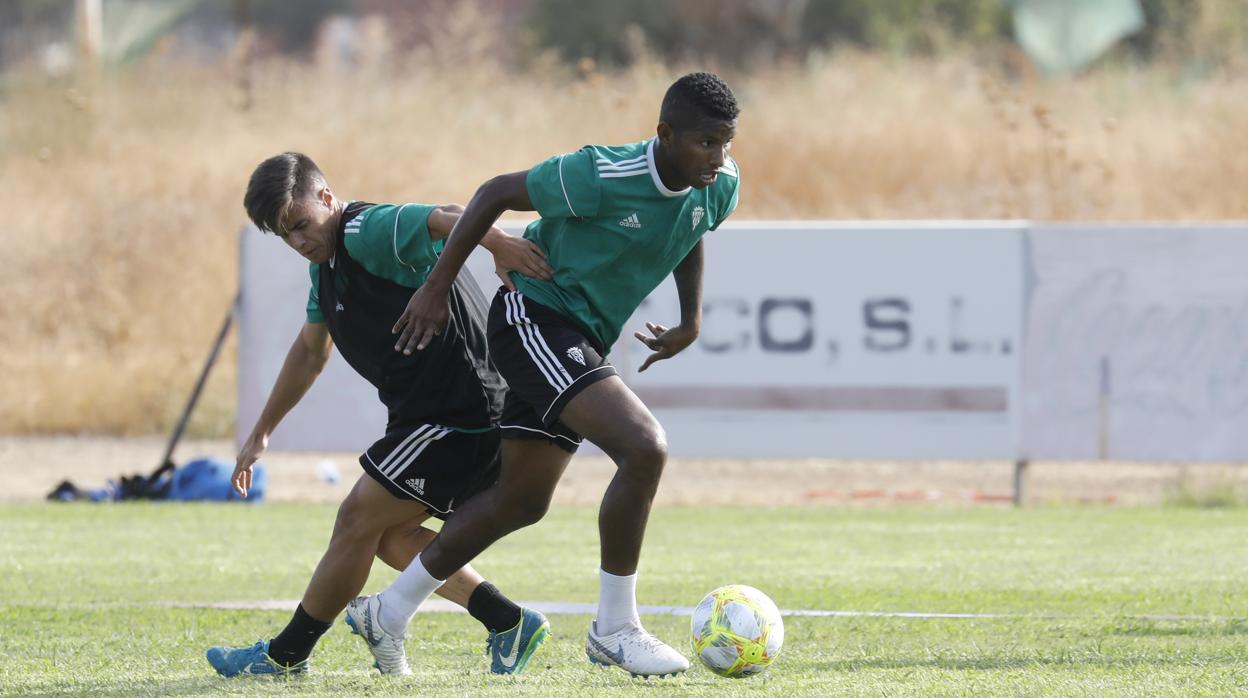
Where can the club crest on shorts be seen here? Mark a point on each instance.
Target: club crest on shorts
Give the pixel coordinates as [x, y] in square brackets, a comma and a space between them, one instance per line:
[576, 355]
[698, 212]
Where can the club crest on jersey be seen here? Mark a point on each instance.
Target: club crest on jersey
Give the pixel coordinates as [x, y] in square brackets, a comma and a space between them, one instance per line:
[698, 212]
[576, 355]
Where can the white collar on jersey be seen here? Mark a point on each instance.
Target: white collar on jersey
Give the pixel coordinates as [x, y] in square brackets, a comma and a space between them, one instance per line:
[654, 173]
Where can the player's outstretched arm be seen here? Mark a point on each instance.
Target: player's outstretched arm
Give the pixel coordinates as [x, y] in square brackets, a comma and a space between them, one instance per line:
[304, 362]
[667, 343]
[510, 253]
[426, 312]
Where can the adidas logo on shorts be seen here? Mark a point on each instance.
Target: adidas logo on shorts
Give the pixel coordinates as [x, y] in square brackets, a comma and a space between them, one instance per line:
[416, 483]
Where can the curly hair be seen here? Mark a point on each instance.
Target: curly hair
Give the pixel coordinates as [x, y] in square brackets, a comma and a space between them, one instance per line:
[698, 96]
[275, 184]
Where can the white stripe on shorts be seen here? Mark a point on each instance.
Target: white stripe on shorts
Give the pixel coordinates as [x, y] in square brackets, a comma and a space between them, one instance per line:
[536, 334]
[574, 442]
[537, 348]
[413, 451]
[524, 340]
[385, 464]
[424, 443]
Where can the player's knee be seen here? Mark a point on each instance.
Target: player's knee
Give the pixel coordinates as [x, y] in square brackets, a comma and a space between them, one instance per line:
[646, 456]
[524, 511]
[353, 520]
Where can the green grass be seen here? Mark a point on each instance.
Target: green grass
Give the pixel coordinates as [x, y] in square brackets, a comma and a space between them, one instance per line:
[83, 592]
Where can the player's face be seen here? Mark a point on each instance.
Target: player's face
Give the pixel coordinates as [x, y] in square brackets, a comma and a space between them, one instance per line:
[698, 152]
[309, 226]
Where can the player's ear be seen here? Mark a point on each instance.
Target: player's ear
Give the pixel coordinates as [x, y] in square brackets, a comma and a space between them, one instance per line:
[326, 196]
[665, 133]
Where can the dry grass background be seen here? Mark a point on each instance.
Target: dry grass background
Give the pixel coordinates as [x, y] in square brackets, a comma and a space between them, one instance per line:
[123, 201]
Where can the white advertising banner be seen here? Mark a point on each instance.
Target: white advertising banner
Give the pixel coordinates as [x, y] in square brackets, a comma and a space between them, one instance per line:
[819, 339]
[1137, 343]
[889, 340]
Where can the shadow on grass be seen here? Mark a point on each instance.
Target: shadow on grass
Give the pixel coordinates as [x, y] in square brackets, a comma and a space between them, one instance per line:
[584, 679]
[1011, 663]
[1162, 628]
[214, 685]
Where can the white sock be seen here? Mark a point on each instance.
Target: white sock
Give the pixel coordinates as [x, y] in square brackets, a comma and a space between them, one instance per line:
[400, 600]
[617, 602]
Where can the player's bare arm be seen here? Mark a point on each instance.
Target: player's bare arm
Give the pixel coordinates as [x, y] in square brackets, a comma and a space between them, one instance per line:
[426, 313]
[511, 253]
[666, 342]
[307, 357]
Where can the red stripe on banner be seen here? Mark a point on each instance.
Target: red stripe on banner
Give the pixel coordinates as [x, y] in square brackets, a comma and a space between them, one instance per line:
[828, 399]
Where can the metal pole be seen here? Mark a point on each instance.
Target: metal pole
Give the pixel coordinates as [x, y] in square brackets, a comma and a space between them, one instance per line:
[243, 50]
[1020, 481]
[1102, 446]
[199, 384]
[88, 15]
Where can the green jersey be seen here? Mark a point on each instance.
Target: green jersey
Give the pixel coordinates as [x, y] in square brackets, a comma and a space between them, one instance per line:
[390, 241]
[612, 231]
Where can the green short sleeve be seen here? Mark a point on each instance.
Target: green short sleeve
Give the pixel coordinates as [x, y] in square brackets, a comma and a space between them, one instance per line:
[314, 295]
[565, 186]
[392, 241]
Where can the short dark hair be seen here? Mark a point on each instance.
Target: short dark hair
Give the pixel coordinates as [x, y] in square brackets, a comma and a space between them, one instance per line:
[696, 97]
[275, 184]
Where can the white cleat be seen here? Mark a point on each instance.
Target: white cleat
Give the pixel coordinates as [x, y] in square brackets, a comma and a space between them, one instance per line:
[634, 650]
[362, 615]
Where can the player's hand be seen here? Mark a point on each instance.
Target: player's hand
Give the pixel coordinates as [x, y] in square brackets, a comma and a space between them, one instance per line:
[524, 256]
[421, 321]
[254, 446]
[665, 343]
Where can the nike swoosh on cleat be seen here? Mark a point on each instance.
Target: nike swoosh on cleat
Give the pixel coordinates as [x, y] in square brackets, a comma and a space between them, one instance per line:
[510, 660]
[368, 626]
[617, 656]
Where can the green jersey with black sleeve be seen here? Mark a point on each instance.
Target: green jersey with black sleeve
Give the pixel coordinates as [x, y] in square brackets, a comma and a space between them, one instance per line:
[383, 254]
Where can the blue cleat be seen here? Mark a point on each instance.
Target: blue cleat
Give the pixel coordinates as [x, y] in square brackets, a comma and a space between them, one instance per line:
[254, 661]
[511, 650]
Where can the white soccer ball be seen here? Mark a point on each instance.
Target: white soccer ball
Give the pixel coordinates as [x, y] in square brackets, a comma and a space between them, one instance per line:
[737, 631]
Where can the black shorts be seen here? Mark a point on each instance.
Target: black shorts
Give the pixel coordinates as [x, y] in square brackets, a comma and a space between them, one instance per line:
[546, 360]
[434, 465]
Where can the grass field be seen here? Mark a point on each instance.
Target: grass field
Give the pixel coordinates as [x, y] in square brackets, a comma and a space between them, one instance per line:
[87, 591]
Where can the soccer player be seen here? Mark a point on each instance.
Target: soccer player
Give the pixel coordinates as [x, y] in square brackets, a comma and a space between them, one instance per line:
[441, 440]
[614, 222]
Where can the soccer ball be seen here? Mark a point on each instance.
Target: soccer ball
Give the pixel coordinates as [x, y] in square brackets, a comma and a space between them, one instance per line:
[737, 631]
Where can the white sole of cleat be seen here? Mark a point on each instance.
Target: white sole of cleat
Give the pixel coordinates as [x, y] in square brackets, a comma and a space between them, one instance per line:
[607, 665]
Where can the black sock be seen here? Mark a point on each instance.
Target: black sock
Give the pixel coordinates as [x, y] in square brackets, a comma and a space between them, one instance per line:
[295, 642]
[495, 611]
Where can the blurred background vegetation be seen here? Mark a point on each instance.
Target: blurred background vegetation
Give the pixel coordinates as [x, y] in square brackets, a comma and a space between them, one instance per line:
[124, 173]
[1202, 35]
